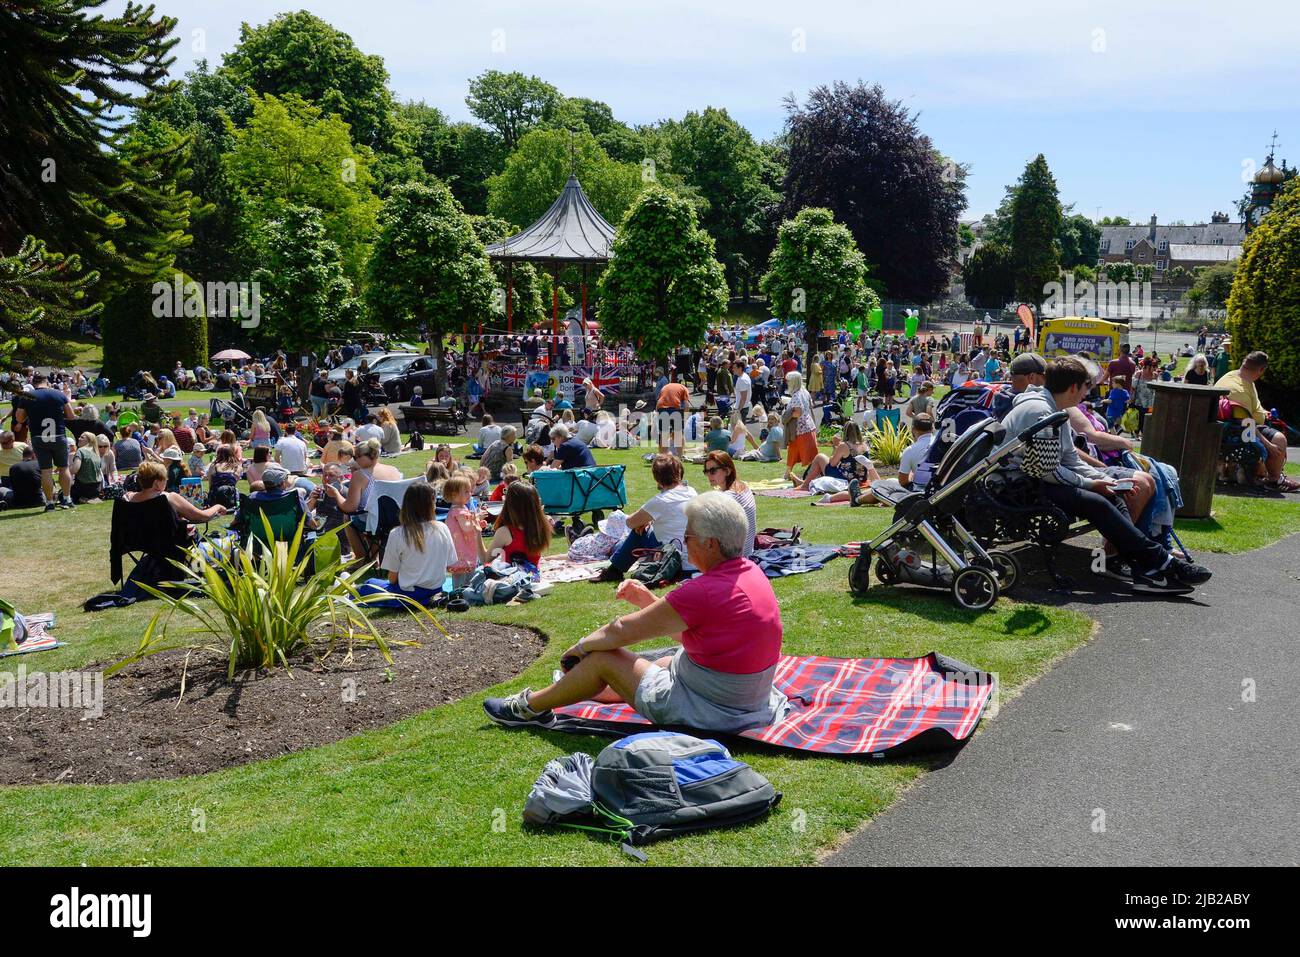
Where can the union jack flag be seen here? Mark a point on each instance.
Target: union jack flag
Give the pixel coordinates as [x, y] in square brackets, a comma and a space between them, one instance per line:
[514, 376]
[607, 379]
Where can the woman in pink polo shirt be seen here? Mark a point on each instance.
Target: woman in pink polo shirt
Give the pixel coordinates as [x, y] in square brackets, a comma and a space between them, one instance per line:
[726, 619]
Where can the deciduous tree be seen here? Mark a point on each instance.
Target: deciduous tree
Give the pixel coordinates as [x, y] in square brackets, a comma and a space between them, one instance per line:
[537, 170]
[663, 286]
[427, 274]
[861, 155]
[1264, 307]
[817, 275]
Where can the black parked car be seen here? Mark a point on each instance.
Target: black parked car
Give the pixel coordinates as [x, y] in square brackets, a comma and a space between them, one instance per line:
[399, 379]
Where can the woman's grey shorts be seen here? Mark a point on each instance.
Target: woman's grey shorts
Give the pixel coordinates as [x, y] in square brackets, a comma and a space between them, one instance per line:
[665, 699]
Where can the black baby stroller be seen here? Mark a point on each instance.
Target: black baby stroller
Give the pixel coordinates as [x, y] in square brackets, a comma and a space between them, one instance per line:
[927, 544]
[234, 415]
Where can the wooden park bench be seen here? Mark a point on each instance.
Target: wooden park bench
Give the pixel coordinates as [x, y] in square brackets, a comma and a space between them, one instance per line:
[434, 419]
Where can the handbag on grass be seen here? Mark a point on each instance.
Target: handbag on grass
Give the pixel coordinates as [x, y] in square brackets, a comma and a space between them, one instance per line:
[657, 566]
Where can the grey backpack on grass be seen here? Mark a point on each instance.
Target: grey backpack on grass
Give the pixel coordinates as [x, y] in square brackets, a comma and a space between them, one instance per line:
[650, 786]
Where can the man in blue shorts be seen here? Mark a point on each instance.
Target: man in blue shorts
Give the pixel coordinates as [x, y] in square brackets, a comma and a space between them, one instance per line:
[46, 412]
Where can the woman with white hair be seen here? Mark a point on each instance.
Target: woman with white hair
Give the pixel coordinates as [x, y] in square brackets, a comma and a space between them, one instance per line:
[726, 619]
[1198, 371]
[800, 427]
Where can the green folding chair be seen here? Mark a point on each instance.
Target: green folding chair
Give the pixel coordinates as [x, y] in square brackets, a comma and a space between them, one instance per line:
[283, 514]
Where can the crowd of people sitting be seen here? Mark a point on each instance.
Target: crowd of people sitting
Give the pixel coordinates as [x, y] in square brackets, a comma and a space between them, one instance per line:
[173, 470]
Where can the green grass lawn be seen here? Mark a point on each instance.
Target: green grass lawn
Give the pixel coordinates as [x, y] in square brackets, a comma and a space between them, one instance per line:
[446, 786]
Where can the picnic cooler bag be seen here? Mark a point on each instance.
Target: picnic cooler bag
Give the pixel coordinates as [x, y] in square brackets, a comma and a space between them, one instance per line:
[650, 786]
[573, 491]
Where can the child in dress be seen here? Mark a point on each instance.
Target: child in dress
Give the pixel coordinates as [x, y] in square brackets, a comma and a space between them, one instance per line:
[466, 533]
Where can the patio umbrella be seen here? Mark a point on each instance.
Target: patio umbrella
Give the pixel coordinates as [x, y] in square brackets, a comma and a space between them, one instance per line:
[234, 354]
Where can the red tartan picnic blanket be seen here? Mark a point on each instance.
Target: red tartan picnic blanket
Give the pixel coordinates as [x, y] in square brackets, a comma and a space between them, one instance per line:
[864, 706]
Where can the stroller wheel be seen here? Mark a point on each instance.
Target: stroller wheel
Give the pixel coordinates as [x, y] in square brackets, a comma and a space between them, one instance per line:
[1006, 567]
[860, 573]
[886, 573]
[974, 588]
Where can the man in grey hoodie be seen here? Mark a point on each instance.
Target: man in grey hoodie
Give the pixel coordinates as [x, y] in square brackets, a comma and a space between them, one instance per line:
[1086, 492]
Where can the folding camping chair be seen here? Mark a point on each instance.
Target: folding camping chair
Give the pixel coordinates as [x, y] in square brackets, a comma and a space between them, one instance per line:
[382, 513]
[152, 530]
[571, 492]
[282, 514]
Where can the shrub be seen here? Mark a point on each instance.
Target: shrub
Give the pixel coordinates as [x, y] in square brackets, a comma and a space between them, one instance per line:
[262, 608]
[887, 442]
[134, 338]
[1264, 307]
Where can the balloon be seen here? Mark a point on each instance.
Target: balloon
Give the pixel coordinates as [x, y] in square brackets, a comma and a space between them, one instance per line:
[854, 327]
[876, 318]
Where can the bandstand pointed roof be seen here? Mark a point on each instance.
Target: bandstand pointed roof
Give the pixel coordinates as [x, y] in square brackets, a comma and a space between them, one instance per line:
[570, 232]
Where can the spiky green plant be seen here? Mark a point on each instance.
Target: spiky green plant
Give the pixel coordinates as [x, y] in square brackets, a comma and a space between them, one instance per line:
[888, 441]
[260, 607]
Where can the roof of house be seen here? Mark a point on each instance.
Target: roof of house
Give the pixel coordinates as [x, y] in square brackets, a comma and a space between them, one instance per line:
[571, 231]
[1204, 234]
[1202, 252]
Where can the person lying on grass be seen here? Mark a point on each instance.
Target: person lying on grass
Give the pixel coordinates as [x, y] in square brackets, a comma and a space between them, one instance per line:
[839, 464]
[726, 619]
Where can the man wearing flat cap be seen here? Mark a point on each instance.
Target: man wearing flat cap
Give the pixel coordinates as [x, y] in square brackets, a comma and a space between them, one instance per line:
[1027, 371]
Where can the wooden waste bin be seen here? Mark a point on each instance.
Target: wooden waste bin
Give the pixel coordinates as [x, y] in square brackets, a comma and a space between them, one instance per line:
[1184, 431]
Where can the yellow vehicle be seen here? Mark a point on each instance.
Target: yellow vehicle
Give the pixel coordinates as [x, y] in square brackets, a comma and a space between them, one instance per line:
[1073, 335]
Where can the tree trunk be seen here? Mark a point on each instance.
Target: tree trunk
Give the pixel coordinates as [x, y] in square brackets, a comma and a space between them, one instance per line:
[810, 339]
[439, 365]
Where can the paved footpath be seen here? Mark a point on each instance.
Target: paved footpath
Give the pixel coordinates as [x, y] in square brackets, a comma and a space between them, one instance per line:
[1146, 723]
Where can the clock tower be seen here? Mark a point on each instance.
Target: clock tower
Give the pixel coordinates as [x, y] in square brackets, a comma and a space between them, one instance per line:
[1267, 184]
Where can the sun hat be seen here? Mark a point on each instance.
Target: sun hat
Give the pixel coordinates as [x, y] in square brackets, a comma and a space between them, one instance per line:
[615, 526]
[172, 454]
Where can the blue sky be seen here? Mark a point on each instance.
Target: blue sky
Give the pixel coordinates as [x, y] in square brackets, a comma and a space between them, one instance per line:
[1139, 107]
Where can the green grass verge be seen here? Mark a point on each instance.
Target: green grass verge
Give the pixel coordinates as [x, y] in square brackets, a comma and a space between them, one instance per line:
[445, 786]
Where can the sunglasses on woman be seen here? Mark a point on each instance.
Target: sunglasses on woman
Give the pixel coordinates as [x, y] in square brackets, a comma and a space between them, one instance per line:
[716, 468]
